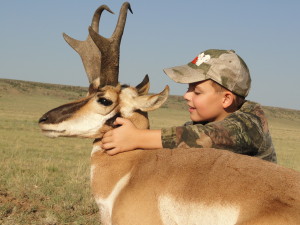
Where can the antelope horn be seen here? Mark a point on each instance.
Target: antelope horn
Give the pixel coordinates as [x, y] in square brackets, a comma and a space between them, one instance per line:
[97, 15]
[121, 22]
[110, 49]
[88, 51]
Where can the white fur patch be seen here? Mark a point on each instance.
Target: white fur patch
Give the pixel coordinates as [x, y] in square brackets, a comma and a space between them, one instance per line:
[96, 148]
[92, 171]
[106, 204]
[174, 212]
[127, 97]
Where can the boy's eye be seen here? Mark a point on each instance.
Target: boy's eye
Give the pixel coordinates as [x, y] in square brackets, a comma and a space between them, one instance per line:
[104, 101]
[197, 93]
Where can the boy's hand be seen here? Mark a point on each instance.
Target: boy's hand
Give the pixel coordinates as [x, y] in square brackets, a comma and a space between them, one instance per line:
[121, 139]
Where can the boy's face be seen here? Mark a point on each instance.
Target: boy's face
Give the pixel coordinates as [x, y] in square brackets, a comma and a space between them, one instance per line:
[205, 103]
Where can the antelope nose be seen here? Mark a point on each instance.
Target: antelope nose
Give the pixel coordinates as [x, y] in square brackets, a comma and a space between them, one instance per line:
[43, 119]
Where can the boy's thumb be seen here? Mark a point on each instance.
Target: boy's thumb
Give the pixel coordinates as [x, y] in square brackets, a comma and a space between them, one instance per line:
[120, 121]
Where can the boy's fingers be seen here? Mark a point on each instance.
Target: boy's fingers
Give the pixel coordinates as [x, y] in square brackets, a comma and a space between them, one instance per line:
[107, 146]
[120, 121]
[107, 134]
[112, 151]
[107, 139]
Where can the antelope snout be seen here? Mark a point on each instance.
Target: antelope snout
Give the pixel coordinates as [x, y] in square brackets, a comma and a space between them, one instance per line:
[43, 119]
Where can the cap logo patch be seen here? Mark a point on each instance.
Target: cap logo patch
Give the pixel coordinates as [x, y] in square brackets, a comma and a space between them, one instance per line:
[201, 58]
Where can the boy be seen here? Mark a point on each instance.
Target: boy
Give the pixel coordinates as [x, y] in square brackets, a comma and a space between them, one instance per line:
[219, 81]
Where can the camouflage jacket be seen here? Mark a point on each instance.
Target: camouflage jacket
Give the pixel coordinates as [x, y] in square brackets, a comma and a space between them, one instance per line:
[244, 131]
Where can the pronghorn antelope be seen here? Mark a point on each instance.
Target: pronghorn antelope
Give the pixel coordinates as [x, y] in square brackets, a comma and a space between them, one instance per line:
[179, 186]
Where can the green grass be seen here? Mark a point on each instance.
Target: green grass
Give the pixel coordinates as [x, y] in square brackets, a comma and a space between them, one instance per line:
[46, 181]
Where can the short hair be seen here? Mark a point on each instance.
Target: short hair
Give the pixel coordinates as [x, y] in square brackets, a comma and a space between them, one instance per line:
[238, 100]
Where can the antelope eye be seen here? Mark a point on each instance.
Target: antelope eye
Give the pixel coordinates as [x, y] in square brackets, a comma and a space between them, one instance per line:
[104, 101]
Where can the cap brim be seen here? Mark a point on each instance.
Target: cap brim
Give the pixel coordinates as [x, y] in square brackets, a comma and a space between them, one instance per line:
[184, 74]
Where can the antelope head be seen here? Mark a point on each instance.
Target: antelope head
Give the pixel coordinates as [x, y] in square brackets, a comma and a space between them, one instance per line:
[92, 116]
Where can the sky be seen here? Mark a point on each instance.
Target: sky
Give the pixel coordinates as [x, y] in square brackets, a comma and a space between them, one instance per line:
[159, 34]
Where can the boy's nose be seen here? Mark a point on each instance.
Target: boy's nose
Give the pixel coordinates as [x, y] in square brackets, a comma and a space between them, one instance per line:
[187, 96]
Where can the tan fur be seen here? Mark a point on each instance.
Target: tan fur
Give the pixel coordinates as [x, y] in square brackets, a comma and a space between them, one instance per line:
[140, 119]
[162, 185]
[263, 192]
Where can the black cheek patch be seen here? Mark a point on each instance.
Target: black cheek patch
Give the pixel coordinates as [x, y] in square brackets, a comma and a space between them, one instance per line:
[110, 122]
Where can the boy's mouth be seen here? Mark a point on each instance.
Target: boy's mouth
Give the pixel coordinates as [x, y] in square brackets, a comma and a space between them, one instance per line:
[191, 109]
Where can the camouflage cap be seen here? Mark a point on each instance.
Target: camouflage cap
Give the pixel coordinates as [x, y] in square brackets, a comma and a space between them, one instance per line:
[222, 66]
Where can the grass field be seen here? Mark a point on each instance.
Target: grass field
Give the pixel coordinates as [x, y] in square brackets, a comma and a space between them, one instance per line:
[46, 181]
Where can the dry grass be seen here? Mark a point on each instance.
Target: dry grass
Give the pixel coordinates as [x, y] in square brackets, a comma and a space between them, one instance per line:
[46, 181]
[286, 139]
[43, 181]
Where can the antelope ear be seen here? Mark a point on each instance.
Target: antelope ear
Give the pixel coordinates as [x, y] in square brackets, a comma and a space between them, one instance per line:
[144, 86]
[151, 102]
[94, 86]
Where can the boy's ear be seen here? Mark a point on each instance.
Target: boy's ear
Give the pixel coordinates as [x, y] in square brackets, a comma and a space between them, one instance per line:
[228, 99]
[150, 102]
